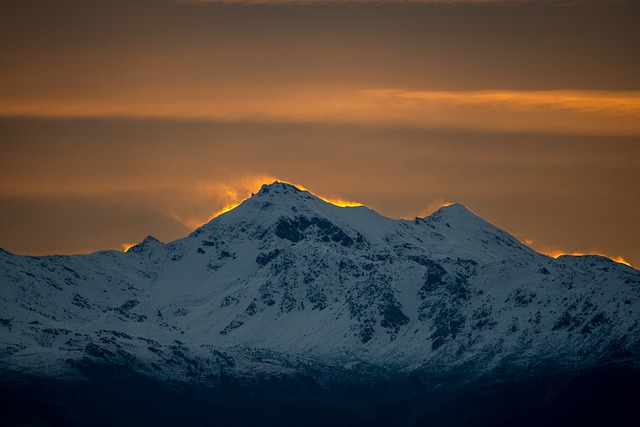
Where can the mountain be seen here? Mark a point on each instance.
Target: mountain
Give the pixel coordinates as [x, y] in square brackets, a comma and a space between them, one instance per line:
[287, 285]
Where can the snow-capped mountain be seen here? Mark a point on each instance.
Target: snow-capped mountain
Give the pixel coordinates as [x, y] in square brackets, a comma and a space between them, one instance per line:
[287, 282]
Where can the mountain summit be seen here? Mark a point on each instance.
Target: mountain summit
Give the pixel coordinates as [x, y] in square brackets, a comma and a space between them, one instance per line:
[278, 187]
[287, 283]
[149, 242]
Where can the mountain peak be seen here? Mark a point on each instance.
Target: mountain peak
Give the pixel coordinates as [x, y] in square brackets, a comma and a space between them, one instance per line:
[279, 187]
[453, 211]
[282, 194]
[457, 207]
[149, 242]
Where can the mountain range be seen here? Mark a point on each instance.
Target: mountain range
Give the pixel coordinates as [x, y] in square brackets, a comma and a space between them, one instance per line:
[289, 286]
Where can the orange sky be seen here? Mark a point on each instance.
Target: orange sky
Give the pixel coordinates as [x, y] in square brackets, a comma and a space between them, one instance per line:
[120, 119]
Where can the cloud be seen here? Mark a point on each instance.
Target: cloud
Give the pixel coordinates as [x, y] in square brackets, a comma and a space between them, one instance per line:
[611, 103]
[394, 2]
[560, 111]
[311, 2]
[198, 203]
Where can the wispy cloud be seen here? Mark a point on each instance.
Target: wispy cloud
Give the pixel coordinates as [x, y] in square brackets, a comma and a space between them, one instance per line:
[610, 103]
[392, 2]
[311, 2]
[561, 111]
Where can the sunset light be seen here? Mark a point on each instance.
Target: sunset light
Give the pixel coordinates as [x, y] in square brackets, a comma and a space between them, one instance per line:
[127, 246]
[333, 200]
[249, 186]
[617, 259]
[555, 253]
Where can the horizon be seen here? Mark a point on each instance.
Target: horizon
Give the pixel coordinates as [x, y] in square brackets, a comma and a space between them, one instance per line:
[348, 204]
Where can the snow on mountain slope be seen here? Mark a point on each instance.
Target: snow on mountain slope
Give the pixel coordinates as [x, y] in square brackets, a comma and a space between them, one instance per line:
[286, 281]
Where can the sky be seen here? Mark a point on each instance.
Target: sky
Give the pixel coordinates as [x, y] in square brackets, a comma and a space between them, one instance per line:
[122, 119]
